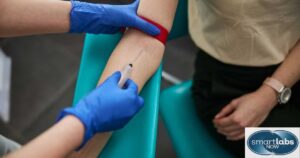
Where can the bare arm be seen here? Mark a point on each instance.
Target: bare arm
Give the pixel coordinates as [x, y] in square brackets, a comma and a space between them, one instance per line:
[30, 17]
[252, 109]
[58, 141]
[131, 44]
[134, 41]
[289, 73]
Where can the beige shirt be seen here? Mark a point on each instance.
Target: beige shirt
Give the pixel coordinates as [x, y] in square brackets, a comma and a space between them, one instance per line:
[245, 32]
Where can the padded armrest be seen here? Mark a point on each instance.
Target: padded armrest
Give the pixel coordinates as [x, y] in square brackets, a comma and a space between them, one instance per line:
[138, 138]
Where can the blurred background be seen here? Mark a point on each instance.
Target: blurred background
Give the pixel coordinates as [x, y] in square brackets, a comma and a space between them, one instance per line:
[43, 77]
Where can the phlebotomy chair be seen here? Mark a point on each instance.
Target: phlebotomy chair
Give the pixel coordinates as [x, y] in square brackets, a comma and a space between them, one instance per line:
[189, 137]
[138, 138]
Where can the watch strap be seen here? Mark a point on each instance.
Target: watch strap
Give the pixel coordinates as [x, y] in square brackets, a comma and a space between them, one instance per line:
[274, 83]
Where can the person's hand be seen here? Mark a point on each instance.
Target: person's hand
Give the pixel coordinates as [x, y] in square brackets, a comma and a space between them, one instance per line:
[107, 19]
[106, 108]
[249, 110]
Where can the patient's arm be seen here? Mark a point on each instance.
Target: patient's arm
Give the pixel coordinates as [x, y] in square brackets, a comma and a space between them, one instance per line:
[133, 41]
[160, 11]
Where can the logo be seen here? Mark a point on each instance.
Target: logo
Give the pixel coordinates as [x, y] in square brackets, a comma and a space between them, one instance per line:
[272, 141]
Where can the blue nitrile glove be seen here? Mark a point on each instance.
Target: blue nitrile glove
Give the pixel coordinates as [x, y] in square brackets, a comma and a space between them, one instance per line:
[107, 19]
[106, 108]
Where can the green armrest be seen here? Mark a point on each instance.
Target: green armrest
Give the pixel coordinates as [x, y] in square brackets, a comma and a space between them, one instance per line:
[188, 134]
[138, 138]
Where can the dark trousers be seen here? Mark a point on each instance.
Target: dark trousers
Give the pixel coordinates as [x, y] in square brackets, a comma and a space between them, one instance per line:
[215, 84]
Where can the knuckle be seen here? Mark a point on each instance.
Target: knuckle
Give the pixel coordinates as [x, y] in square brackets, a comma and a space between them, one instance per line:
[231, 134]
[236, 119]
[130, 114]
[219, 131]
[132, 96]
[234, 102]
[140, 105]
[243, 124]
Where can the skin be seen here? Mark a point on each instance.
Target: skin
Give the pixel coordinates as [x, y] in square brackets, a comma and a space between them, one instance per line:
[17, 20]
[250, 110]
[29, 17]
[57, 141]
[125, 52]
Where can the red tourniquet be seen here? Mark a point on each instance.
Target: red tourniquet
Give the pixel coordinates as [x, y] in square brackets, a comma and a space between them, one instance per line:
[163, 35]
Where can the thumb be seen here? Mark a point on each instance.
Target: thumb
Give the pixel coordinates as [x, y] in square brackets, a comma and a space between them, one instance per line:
[131, 86]
[114, 78]
[146, 27]
[135, 4]
[226, 110]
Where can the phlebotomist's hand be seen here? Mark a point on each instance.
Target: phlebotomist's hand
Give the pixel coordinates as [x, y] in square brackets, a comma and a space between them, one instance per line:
[107, 19]
[107, 108]
[249, 110]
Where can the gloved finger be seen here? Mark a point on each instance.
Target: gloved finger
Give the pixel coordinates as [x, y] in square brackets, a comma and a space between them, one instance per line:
[140, 101]
[145, 26]
[135, 4]
[114, 78]
[138, 104]
[131, 86]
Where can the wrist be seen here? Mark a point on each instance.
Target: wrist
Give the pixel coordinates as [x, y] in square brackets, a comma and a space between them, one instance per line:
[77, 126]
[269, 94]
[83, 116]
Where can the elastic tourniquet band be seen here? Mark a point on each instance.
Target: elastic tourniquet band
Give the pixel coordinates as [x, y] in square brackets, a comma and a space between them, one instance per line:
[163, 35]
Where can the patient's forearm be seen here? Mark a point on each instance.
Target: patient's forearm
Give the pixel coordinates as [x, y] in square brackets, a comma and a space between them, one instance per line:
[129, 47]
[134, 41]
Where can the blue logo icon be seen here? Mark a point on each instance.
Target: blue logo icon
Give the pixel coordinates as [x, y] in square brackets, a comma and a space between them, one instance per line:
[277, 142]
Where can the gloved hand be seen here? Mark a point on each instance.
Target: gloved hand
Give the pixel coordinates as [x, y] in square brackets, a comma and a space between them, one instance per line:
[106, 108]
[107, 19]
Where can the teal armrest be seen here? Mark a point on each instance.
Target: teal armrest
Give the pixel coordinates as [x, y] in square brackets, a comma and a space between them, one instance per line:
[138, 138]
[180, 24]
[188, 134]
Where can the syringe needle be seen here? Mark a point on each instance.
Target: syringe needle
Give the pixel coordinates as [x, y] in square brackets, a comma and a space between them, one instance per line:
[141, 51]
[125, 75]
[126, 72]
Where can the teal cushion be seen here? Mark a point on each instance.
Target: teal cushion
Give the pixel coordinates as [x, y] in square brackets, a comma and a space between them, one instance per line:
[180, 24]
[188, 135]
[138, 138]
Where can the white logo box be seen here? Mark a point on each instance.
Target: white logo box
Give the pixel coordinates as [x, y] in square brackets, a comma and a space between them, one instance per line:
[249, 132]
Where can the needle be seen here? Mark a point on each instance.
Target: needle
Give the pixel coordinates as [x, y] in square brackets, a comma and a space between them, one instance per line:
[126, 72]
[140, 53]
